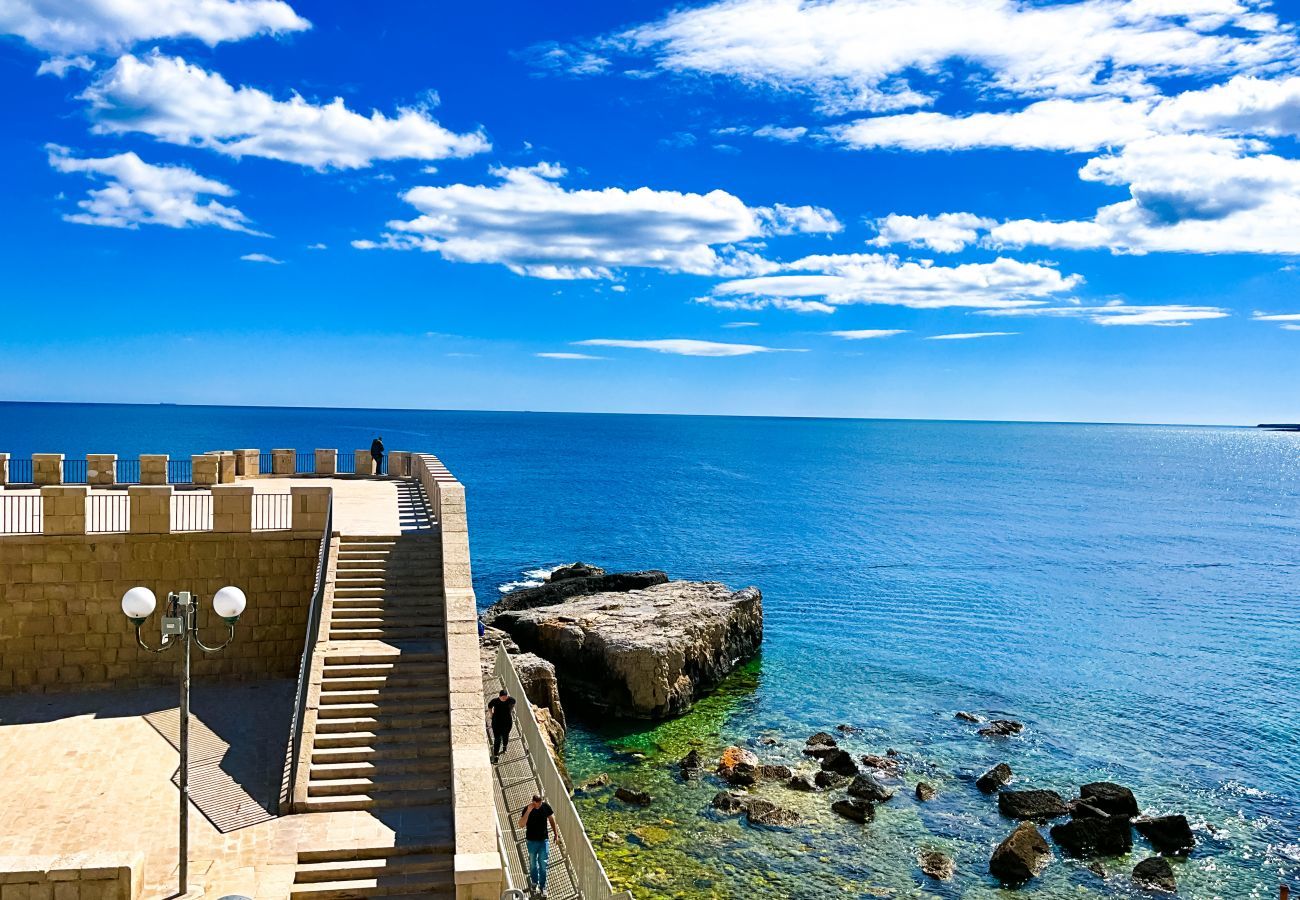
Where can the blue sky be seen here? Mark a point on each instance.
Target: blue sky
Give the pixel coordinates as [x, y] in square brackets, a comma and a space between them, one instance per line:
[932, 208]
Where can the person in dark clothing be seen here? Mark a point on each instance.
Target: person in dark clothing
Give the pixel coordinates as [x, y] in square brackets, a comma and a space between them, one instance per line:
[377, 454]
[535, 817]
[500, 712]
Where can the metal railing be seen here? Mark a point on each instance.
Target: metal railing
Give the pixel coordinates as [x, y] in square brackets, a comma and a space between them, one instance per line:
[347, 462]
[305, 462]
[265, 462]
[309, 648]
[128, 471]
[192, 511]
[21, 514]
[180, 471]
[20, 471]
[74, 471]
[272, 512]
[108, 511]
[588, 874]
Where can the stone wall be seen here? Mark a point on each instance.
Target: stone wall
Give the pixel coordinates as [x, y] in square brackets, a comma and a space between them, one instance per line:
[73, 876]
[61, 623]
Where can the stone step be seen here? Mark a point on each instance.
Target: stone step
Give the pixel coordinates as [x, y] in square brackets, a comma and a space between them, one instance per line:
[380, 738]
[386, 695]
[411, 705]
[371, 867]
[372, 750]
[386, 722]
[430, 680]
[402, 669]
[428, 884]
[383, 652]
[379, 785]
[433, 768]
[411, 615]
[375, 853]
[398, 602]
[380, 634]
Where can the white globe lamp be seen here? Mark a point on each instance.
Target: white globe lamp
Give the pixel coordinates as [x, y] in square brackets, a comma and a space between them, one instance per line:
[138, 604]
[229, 603]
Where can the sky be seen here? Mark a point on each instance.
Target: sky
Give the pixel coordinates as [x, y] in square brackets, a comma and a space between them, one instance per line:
[970, 209]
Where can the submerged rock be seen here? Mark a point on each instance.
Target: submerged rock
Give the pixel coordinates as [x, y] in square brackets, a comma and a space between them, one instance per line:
[1081, 810]
[1111, 798]
[593, 784]
[647, 653]
[689, 765]
[1168, 834]
[1002, 728]
[729, 803]
[801, 783]
[967, 717]
[938, 866]
[1155, 874]
[925, 791]
[765, 812]
[775, 772]
[855, 810]
[1108, 836]
[822, 738]
[633, 796]
[839, 762]
[994, 778]
[889, 764]
[1022, 856]
[830, 780]
[848, 729]
[868, 788]
[1038, 805]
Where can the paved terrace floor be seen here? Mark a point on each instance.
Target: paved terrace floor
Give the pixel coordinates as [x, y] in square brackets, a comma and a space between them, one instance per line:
[95, 771]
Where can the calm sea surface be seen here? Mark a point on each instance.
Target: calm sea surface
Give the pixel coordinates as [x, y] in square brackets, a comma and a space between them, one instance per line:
[1129, 592]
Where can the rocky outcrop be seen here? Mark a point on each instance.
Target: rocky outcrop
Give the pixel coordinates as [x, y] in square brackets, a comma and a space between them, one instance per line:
[867, 787]
[574, 570]
[738, 767]
[1113, 799]
[767, 813]
[830, 780]
[967, 716]
[775, 772]
[1037, 805]
[633, 796]
[558, 590]
[936, 865]
[839, 762]
[1001, 728]
[689, 765]
[924, 791]
[644, 653]
[1168, 834]
[1155, 874]
[1106, 836]
[803, 783]
[994, 778]
[854, 809]
[1022, 856]
[729, 803]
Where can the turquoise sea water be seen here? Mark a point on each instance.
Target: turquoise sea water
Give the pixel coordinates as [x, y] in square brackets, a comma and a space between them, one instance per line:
[1129, 592]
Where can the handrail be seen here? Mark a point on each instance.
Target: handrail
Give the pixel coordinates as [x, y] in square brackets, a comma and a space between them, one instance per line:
[588, 873]
[309, 649]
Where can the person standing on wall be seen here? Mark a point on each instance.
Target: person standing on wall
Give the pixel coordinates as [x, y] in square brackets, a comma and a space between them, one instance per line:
[534, 820]
[377, 454]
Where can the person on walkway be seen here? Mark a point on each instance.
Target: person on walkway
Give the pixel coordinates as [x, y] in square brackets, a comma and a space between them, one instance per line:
[535, 817]
[501, 713]
[377, 454]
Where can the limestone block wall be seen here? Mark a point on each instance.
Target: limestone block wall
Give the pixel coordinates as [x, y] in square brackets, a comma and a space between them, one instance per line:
[61, 623]
[283, 462]
[248, 463]
[4, 468]
[327, 462]
[63, 508]
[363, 463]
[73, 876]
[205, 468]
[47, 468]
[153, 468]
[101, 468]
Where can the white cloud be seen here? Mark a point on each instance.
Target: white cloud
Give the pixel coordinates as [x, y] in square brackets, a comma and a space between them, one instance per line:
[1290, 327]
[138, 193]
[58, 66]
[970, 335]
[843, 279]
[860, 54]
[780, 133]
[261, 258]
[867, 334]
[1244, 105]
[687, 347]
[1169, 315]
[740, 325]
[1278, 317]
[618, 288]
[180, 103]
[534, 226]
[568, 356]
[755, 304]
[317, 247]
[944, 233]
[59, 26]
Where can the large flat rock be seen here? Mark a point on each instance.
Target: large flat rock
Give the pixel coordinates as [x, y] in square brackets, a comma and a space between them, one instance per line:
[645, 653]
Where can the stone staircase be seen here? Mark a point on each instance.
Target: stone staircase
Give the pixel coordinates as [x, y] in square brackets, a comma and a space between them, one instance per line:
[382, 736]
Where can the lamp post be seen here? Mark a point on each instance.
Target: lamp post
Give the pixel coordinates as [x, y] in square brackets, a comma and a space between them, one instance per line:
[180, 629]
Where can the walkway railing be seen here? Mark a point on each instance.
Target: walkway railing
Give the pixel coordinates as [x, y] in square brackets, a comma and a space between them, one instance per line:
[20, 514]
[272, 511]
[108, 512]
[576, 854]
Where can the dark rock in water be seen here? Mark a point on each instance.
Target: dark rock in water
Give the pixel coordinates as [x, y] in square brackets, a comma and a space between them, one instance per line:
[868, 788]
[938, 866]
[819, 745]
[1111, 836]
[775, 772]
[801, 783]
[574, 570]
[593, 784]
[1036, 805]
[822, 737]
[633, 796]
[994, 778]
[848, 729]
[1155, 874]
[830, 780]
[1001, 728]
[1081, 810]
[1168, 834]
[882, 763]
[764, 812]
[968, 717]
[839, 762]
[855, 810]
[925, 791]
[1023, 855]
[729, 803]
[690, 764]
[742, 775]
[1097, 869]
[1109, 797]
[738, 758]
[820, 751]
[557, 591]
[768, 741]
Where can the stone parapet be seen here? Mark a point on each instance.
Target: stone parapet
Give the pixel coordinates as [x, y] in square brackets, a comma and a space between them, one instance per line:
[226, 466]
[283, 462]
[101, 468]
[47, 468]
[153, 468]
[363, 463]
[4, 469]
[399, 464]
[72, 876]
[327, 462]
[205, 468]
[232, 508]
[311, 507]
[63, 508]
[151, 506]
[247, 463]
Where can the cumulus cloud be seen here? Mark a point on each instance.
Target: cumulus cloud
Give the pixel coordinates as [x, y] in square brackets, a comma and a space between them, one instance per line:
[137, 193]
[970, 335]
[687, 347]
[57, 26]
[58, 66]
[867, 334]
[531, 224]
[180, 103]
[567, 356]
[1244, 105]
[1170, 315]
[262, 258]
[860, 54]
[944, 233]
[844, 279]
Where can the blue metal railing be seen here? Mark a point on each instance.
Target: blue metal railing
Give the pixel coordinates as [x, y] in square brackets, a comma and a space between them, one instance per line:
[305, 463]
[20, 471]
[180, 471]
[265, 462]
[347, 461]
[128, 471]
[74, 471]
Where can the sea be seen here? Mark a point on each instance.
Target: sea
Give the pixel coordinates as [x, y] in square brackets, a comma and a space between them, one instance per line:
[1127, 592]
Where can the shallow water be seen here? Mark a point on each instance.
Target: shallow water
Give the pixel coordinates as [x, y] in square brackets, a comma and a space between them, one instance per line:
[1128, 592]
